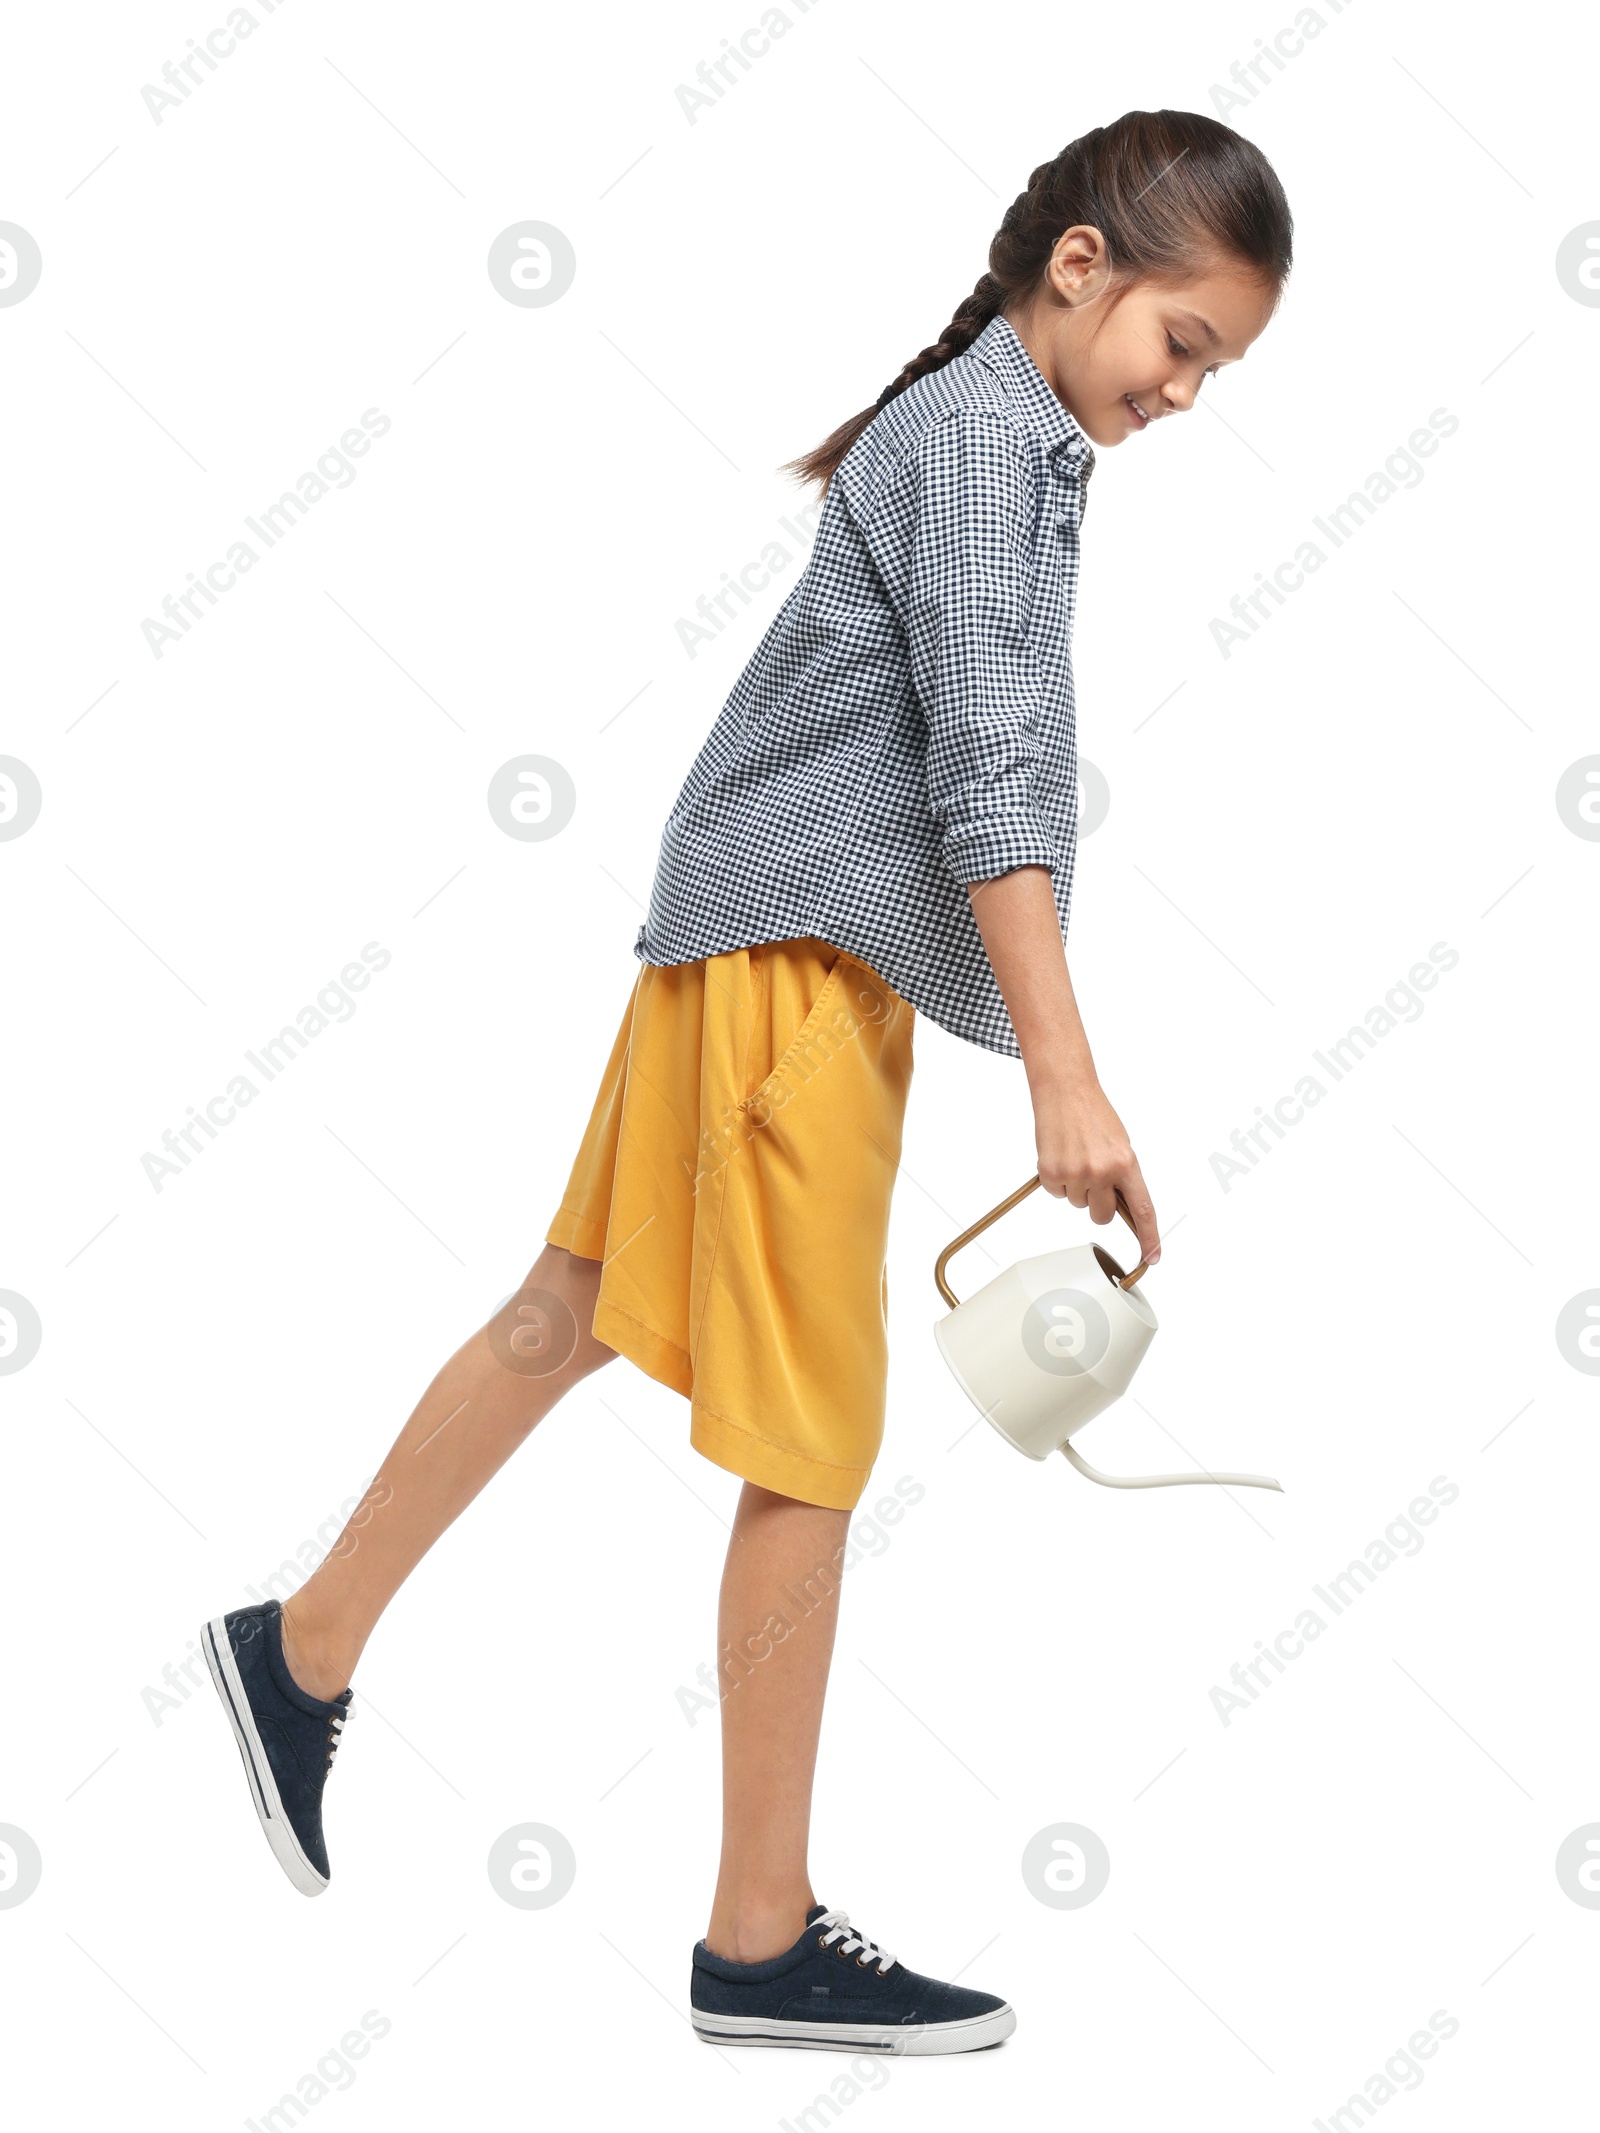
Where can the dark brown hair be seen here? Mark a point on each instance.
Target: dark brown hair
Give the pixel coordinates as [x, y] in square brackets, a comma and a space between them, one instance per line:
[1168, 190]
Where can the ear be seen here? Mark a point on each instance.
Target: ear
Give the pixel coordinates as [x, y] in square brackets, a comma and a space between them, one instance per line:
[1080, 264]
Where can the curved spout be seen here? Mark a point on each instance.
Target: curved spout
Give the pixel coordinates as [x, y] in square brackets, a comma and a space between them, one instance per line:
[1165, 1481]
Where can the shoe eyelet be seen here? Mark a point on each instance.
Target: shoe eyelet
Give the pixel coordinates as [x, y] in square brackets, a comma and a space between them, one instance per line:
[863, 1962]
[821, 1941]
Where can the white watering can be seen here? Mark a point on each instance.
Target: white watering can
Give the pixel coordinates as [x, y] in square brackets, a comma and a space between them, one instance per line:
[1050, 1343]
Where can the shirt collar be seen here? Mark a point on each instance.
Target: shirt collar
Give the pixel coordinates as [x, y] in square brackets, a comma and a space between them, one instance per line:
[1000, 347]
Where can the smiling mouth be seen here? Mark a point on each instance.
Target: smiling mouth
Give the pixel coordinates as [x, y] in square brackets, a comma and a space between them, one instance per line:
[1140, 416]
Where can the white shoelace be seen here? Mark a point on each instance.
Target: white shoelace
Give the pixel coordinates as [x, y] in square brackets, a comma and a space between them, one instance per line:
[839, 1923]
[336, 1726]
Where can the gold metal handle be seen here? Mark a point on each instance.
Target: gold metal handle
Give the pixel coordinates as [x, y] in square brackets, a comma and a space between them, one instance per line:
[952, 1299]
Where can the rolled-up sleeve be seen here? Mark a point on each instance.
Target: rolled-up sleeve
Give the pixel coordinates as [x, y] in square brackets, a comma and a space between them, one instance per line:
[970, 490]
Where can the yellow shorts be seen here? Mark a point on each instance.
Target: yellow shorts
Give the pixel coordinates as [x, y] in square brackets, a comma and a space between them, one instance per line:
[735, 1178]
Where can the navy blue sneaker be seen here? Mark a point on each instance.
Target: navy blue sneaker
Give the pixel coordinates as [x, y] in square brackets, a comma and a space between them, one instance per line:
[834, 1991]
[287, 1738]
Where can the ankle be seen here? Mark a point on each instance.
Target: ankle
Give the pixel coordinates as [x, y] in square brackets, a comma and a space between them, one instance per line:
[753, 1930]
[315, 1661]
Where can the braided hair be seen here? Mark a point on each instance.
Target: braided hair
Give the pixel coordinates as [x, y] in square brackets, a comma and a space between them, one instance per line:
[1168, 190]
[972, 314]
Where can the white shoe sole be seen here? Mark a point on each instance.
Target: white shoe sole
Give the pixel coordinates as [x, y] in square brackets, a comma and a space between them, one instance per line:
[975, 2034]
[286, 1848]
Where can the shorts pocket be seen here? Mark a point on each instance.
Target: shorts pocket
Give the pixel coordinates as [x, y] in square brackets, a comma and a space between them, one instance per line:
[810, 1041]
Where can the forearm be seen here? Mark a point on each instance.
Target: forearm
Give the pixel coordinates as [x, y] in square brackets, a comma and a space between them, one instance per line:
[1083, 1148]
[1016, 915]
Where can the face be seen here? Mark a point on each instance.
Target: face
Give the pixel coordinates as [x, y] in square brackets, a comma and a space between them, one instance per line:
[1120, 369]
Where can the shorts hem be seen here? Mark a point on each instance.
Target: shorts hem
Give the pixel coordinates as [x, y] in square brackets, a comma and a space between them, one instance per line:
[578, 1234]
[771, 1466]
[648, 1350]
[715, 1436]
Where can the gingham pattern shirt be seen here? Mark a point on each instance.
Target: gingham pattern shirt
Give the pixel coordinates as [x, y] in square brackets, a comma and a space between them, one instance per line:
[906, 724]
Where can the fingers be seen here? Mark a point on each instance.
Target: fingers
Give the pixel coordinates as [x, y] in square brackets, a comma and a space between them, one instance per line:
[1102, 1201]
[1096, 1191]
[1141, 1209]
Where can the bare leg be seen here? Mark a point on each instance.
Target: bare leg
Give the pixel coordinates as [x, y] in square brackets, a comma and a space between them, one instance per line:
[481, 1406]
[775, 1631]
[776, 1618]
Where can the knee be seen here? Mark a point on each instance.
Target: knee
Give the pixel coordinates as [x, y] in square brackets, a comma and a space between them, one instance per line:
[553, 1312]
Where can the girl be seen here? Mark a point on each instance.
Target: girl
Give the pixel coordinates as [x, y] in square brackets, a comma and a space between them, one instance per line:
[882, 821]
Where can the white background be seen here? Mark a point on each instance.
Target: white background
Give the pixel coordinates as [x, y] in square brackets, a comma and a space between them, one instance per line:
[1373, 1305]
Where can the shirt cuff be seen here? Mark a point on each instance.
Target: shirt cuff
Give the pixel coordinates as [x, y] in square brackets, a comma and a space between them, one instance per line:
[995, 844]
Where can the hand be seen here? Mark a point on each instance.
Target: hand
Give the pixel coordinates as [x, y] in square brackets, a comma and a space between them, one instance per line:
[1085, 1157]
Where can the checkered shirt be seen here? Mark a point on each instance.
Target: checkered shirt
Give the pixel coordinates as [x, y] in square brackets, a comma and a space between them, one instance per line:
[906, 724]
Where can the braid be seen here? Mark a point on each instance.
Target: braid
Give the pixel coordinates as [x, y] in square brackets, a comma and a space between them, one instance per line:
[972, 314]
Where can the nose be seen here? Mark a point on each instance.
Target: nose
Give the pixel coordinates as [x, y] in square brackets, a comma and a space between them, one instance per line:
[1178, 396]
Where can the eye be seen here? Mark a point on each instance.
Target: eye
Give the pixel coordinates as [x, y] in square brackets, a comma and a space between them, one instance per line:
[1176, 347]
